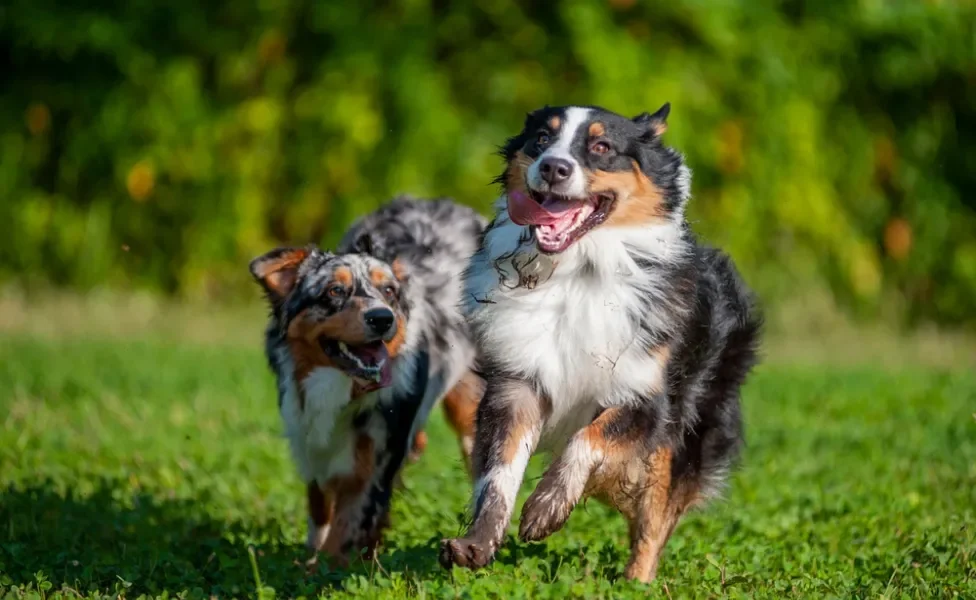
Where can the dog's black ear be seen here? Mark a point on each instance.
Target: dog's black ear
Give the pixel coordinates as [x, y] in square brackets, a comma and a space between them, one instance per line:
[277, 271]
[534, 116]
[364, 244]
[655, 124]
[512, 144]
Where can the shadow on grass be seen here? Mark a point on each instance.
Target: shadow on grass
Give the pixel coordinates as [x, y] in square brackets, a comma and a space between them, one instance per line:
[113, 540]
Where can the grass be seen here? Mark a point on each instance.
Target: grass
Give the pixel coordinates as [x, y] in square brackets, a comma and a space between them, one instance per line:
[142, 461]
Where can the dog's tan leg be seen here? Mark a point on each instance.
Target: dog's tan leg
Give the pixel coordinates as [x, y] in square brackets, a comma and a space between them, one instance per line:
[509, 422]
[663, 502]
[461, 411]
[345, 535]
[417, 447]
[565, 481]
[616, 459]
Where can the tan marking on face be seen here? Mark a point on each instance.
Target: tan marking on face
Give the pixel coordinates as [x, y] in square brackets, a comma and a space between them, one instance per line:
[346, 325]
[343, 275]
[304, 332]
[515, 175]
[378, 277]
[597, 129]
[396, 343]
[639, 201]
[554, 123]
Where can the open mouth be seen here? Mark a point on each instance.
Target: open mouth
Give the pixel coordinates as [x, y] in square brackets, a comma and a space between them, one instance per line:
[369, 362]
[558, 221]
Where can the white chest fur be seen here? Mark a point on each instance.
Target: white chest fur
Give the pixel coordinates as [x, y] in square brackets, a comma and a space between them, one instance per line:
[317, 432]
[577, 334]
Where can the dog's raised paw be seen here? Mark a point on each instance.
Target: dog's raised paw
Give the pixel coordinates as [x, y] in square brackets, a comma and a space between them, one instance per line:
[463, 552]
[541, 517]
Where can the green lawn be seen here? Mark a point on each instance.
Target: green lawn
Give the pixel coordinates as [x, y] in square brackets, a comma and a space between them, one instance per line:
[134, 467]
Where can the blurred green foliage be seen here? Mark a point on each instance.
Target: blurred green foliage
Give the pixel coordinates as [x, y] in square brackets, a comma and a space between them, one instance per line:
[162, 145]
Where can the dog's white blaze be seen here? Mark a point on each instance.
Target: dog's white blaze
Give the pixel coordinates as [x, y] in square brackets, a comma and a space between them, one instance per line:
[577, 334]
[575, 118]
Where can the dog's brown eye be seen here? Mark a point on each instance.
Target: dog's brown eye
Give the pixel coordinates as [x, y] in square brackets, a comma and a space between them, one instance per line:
[390, 292]
[600, 148]
[543, 139]
[336, 291]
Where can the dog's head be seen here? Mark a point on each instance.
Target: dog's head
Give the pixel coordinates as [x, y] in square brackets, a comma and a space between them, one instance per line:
[573, 169]
[340, 311]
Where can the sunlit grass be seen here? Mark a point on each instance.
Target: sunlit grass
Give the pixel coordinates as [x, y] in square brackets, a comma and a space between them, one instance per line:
[146, 460]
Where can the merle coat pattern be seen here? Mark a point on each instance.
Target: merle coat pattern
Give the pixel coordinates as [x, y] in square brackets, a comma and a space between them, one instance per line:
[363, 343]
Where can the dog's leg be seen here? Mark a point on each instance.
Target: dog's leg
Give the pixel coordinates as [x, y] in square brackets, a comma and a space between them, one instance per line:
[663, 500]
[461, 410]
[509, 422]
[321, 508]
[622, 458]
[418, 446]
[348, 490]
[563, 484]
[609, 448]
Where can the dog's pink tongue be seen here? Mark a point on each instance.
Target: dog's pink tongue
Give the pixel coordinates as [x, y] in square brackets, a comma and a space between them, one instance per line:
[373, 353]
[378, 354]
[523, 210]
[386, 374]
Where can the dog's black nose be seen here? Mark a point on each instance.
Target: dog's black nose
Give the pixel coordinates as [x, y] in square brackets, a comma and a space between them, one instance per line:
[555, 170]
[380, 320]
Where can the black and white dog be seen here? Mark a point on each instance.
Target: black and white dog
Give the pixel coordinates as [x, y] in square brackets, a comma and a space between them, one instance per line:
[608, 335]
[363, 343]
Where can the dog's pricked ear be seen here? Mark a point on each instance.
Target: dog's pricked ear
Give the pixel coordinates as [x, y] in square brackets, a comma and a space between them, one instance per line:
[657, 123]
[277, 271]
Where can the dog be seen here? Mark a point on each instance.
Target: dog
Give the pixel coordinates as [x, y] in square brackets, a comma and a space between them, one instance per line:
[363, 342]
[607, 335]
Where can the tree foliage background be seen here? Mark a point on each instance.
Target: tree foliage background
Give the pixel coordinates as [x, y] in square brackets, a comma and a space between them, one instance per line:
[161, 145]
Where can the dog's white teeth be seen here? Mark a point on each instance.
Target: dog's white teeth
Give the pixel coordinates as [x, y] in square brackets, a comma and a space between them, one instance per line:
[345, 350]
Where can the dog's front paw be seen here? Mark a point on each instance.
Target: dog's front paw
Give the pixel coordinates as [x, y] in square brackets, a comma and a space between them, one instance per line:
[543, 515]
[464, 552]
